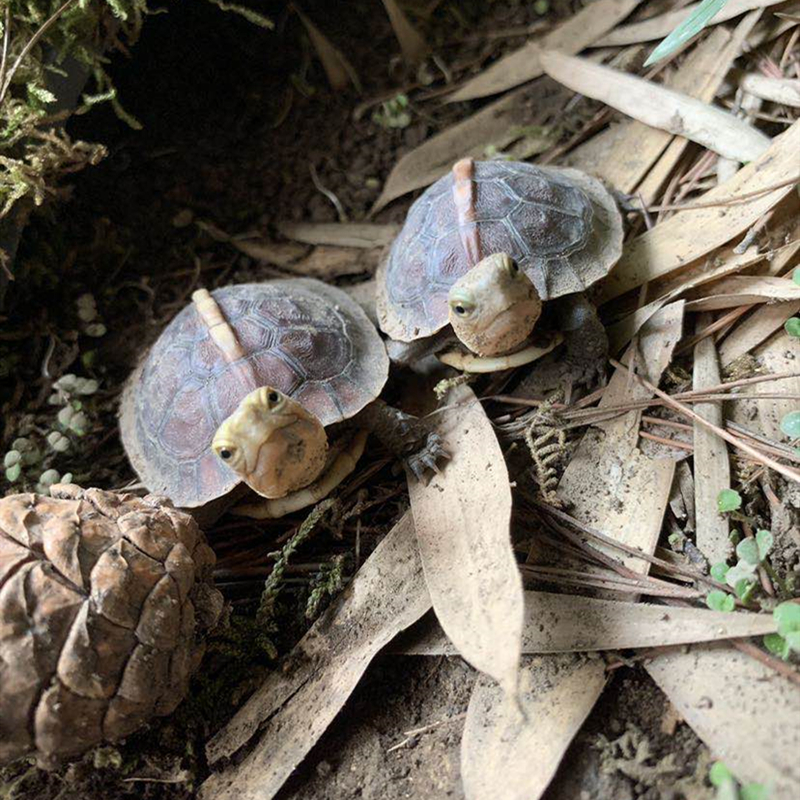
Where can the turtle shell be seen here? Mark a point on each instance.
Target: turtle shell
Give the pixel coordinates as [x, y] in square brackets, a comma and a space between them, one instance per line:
[561, 226]
[305, 338]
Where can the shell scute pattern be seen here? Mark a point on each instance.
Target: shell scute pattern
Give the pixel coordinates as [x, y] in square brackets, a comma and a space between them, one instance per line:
[313, 344]
[544, 218]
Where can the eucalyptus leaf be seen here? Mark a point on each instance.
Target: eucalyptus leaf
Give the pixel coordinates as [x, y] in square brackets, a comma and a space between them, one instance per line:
[690, 27]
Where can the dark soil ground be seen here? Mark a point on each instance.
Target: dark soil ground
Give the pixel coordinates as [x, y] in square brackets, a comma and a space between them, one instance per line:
[234, 121]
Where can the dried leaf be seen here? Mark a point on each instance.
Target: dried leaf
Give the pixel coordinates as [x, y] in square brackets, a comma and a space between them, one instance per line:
[462, 519]
[740, 290]
[340, 234]
[338, 69]
[562, 623]
[712, 468]
[658, 106]
[693, 233]
[785, 91]
[780, 354]
[571, 36]
[328, 262]
[662, 25]
[411, 43]
[745, 712]
[498, 124]
[294, 706]
[282, 254]
[508, 756]
[757, 328]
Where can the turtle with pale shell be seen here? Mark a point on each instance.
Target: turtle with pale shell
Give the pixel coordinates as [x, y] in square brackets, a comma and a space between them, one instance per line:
[482, 250]
[273, 385]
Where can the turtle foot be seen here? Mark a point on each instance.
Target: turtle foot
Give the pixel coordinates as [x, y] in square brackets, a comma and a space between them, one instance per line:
[424, 462]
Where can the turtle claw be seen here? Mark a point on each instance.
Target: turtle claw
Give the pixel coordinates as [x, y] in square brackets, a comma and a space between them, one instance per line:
[424, 462]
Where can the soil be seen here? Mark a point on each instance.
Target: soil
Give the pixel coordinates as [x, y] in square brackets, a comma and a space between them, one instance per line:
[236, 123]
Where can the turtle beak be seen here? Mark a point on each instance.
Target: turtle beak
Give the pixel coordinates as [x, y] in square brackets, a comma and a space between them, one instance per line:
[272, 442]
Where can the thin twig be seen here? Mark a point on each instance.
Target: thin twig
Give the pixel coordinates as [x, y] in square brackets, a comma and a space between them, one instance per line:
[6, 36]
[787, 472]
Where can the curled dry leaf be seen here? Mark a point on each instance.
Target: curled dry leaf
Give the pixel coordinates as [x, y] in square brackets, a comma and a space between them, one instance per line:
[658, 106]
[562, 623]
[745, 712]
[508, 756]
[785, 91]
[338, 69]
[662, 25]
[571, 36]
[498, 124]
[693, 233]
[340, 234]
[462, 518]
[294, 706]
[411, 43]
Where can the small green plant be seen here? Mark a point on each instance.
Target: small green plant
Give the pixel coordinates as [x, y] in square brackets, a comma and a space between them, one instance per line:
[394, 113]
[728, 500]
[790, 425]
[717, 600]
[796, 275]
[787, 640]
[792, 327]
[728, 788]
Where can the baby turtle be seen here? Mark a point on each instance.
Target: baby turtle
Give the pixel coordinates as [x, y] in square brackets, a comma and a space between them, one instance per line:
[479, 253]
[247, 383]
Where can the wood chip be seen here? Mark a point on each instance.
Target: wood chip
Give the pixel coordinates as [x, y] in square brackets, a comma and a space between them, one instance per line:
[570, 36]
[340, 234]
[693, 233]
[497, 124]
[712, 468]
[662, 25]
[294, 706]
[562, 623]
[508, 756]
[745, 712]
[658, 106]
[462, 518]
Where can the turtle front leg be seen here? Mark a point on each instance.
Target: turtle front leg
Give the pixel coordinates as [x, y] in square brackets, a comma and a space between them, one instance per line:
[406, 436]
[585, 343]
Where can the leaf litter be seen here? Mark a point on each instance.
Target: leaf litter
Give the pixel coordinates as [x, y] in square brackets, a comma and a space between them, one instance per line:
[454, 550]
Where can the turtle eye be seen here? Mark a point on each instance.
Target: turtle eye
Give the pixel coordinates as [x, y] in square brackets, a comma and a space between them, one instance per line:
[462, 308]
[273, 397]
[226, 453]
[513, 268]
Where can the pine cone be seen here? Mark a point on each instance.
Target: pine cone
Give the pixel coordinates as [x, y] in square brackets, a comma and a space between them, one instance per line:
[102, 599]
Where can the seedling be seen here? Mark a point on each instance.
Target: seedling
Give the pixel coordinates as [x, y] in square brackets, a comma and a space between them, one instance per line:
[790, 425]
[787, 640]
[792, 327]
[728, 500]
[393, 113]
[728, 788]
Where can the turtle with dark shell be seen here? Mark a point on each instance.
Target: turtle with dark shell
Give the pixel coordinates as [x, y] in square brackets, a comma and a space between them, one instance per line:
[480, 252]
[273, 384]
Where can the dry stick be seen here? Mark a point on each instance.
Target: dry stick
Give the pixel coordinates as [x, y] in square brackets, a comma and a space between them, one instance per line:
[593, 533]
[29, 46]
[787, 472]
[665, 440]
[6, 36]
[719, 324]
[733, 201]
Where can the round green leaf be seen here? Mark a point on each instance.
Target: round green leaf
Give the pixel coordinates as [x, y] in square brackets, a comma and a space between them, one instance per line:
[719, 571]
[728, 500]
[764, 540]
[787, 617]
[777, 645]
[790, 425]
[792, 327]
[13, 473]
[754, 791]
[719, 774]
[747, 550]
[796, 275]
[718, 600]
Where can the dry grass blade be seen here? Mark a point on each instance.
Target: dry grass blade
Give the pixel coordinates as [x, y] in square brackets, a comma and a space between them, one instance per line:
[743, 711]
[497, 124]
[658, 106]
[340, 234]
[571, 36]
[712, 469]
[563, 623]
[742, 290]
[338, 69]
[785, 91]
[692, 234]
[557, 694]
[662, 25]
[411, 42]
[294, 706]
[462, 518]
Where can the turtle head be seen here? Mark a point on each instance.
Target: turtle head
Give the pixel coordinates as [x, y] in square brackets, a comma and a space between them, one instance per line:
[494, 306]
[272, 442]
